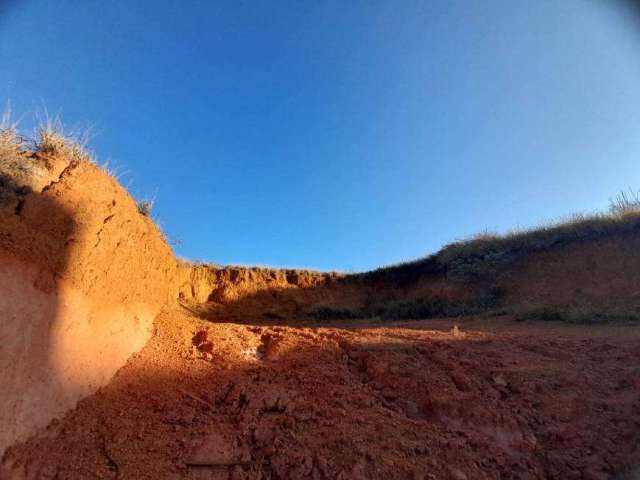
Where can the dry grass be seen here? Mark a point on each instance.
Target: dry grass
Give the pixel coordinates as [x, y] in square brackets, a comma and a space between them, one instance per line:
[145, 207]
[10, 142]
[625, 202]
[24, 161]
[15, 170]
[52, 140]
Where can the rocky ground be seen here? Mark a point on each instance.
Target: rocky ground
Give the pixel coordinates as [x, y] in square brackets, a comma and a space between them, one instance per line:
[487, 398]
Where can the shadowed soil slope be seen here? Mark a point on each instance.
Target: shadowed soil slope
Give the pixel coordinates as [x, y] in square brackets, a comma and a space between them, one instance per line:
[587, 281]
[490, 400]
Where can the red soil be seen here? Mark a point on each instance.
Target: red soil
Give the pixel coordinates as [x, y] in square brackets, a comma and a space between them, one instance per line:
[417, 400]
[83, 277]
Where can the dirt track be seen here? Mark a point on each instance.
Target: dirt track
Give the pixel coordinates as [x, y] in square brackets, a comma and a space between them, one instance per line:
[414, 401]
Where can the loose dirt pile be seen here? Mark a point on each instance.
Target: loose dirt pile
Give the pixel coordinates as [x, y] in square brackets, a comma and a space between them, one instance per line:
[416, 401]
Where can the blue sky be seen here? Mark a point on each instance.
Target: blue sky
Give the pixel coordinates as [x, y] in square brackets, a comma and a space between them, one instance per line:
[339, 135]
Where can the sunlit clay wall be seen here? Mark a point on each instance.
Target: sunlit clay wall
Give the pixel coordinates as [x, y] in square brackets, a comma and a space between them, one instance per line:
[83, 277]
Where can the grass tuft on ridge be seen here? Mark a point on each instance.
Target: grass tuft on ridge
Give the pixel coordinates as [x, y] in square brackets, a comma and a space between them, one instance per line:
[483, 256]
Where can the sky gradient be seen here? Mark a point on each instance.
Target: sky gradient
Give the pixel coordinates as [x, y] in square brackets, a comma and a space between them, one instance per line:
[339, 135]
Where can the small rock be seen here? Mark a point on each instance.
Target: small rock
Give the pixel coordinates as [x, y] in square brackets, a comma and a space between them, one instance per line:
[375, 369]
[499, 381]
[419, 474]
[594, 474]
[390, 394]
[48, 472]
[358, 471]
[263, 436]
[460, 380]
[457, 474]
[217, 449]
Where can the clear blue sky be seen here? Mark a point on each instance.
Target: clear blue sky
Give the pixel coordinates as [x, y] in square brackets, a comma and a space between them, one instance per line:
[340, 135]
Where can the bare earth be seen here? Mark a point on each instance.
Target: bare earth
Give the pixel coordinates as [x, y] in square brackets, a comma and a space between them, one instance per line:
[356, 400]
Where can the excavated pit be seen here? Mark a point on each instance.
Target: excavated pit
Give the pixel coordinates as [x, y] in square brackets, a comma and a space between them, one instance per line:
[118, 361]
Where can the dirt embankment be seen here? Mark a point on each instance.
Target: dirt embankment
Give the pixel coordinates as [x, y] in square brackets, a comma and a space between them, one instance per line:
[595, 276]
[590, 265]
[83, 277]
[602, 274]
[202, 283]
[242, 294]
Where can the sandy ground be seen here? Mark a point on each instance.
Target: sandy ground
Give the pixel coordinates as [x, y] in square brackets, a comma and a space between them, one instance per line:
[491, 399]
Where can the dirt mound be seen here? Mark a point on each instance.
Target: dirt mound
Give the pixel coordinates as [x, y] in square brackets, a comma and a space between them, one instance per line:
[84, 275]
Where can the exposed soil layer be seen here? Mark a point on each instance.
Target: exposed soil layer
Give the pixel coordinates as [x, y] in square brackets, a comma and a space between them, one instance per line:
[203, 283]
[597, 275]
[420, 400]
[600, 274]
[83, 277]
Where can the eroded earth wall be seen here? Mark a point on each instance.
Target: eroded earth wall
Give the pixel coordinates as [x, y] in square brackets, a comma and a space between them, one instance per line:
[83, 276]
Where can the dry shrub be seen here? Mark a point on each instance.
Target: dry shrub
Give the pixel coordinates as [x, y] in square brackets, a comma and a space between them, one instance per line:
[24, 162]
[145, 207]
[15, 170]
[625, 202]
[53, 141]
